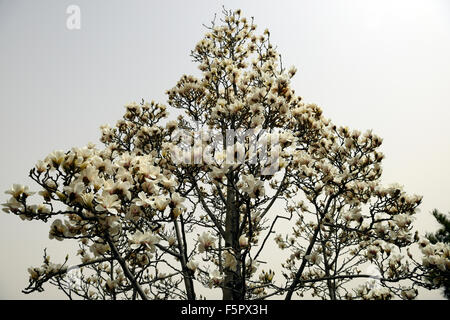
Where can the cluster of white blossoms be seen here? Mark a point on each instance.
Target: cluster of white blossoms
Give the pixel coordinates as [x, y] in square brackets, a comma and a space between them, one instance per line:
[103, 190]
[375, 293]
[243, 100]
[100, 182]
[46, 269]
[17, 202]
[253, 187]
[339, 176]
[435, 255]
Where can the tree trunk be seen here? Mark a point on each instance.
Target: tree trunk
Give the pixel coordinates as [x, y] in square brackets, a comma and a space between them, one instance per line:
[187, 274]
[232, 289]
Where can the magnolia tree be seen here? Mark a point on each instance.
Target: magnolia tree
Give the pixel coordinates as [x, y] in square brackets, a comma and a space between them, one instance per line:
[250, 191]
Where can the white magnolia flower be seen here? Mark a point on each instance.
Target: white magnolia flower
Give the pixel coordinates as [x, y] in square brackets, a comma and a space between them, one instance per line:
[372, 252]
[216, 278]
[176, 199]
[148, 239]
[286, 138]
[243, 241]
[409, 294]
[176, 205]
[99, 249]
[18, 189]
[168, 183]
[402, 220]
[437, 261]
[292, 71]
[254, 188]
[314, 258]
[89, 174]
[58, 229]
[192, 265]
[85, 258]
[110, 285]
[257, 120]
[133, 213]
[150, 186]
[266, 277]
[41, 166]
[423, 242]
[205, 242]
[150, 171]
[112, 223]
[379, 293]
[427, 250]
[56, 157]
[75, 189]
[142, 200]
[172, 125]
[86, 199]
[11, 205]
[133, 107]
[108, 202]
[122, 188]
[124, 175]
[35, 273]
[102, 165]
[161, 203]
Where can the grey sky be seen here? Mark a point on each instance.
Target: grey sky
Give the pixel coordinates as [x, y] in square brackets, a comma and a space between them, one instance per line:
[381, 65]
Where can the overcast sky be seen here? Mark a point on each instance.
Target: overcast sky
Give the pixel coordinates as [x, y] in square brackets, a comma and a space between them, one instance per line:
[381, 65]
